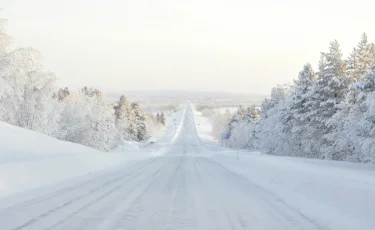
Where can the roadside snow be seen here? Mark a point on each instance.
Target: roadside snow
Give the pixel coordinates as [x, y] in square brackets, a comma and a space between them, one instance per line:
[204, 126]
[30, 159]
[325, 191]
[339, 194]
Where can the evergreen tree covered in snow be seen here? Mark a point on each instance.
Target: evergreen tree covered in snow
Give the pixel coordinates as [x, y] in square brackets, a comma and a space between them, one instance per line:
[301, 129]
[124, 116]
[238, 130]
[274, 137]
[162, 119]
[140, 123]
[359, 70]
[62, 94]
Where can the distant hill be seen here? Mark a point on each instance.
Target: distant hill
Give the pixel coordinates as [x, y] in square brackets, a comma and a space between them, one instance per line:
[197, 97]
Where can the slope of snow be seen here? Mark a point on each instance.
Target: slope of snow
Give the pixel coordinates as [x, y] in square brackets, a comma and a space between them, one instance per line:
[30, 159]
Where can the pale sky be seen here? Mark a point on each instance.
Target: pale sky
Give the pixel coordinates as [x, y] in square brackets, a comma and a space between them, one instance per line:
[215, 45]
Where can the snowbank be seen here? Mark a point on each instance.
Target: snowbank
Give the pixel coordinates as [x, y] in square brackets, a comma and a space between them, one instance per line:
[31, 160]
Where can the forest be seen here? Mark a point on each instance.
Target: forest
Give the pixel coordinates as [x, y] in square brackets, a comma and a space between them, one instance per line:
[328, 113]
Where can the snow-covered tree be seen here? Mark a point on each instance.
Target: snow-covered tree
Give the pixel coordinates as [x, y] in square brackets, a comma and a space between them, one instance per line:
[89, 119]
[252, 113]
[355, 140]
[124, 115]
[361, 58]
[359, 70]
[328, 114]
[62, 94]
[162, 119]
[235, 120]
[28, 100]
[298, 105]
[219, 124]
[278, 93]
[140, 123]
[275, 135]
[324, 98]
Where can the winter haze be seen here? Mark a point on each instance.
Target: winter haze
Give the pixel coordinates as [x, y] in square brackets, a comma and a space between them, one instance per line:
[184, 45]
[194, 115]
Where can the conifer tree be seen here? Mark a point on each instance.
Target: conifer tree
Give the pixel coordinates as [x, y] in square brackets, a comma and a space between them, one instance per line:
[162, 119]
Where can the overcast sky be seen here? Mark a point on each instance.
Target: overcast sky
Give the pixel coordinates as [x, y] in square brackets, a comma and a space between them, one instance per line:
[217, 45]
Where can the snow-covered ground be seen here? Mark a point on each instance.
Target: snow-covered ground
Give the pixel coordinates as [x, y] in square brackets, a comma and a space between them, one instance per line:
[197, 184]
[30, 159]
[340, 195]
[204, 126]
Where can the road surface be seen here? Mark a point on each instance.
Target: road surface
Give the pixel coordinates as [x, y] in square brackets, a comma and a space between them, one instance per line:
[183, 189]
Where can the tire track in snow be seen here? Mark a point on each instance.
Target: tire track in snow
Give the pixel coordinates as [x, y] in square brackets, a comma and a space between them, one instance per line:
[217, 214]
[182, 211]
[165, 177]
[100, 198]
[62, 191]
[286, 214]
[71, 201]
[136, 207]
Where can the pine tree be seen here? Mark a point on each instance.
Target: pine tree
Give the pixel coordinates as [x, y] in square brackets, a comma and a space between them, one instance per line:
[91, 92]
[300, 95]
[352, 67]
[162, 119]
[368, 83]
[365, 55]
[278, 94]
[252, 113]
[325, 99]
[331, 86]
[62, 94]
[236, 118]
[359, 69]
[301, 130]
[123, 114]
[140, 123]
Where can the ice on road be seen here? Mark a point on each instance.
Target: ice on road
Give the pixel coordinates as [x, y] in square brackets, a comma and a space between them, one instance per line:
[186, 188]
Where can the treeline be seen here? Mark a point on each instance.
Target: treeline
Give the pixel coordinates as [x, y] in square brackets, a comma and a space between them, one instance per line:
[325, 114]
[29, 99]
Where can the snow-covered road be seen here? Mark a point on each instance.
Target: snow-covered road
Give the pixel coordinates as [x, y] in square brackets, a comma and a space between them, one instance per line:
[189, 187]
